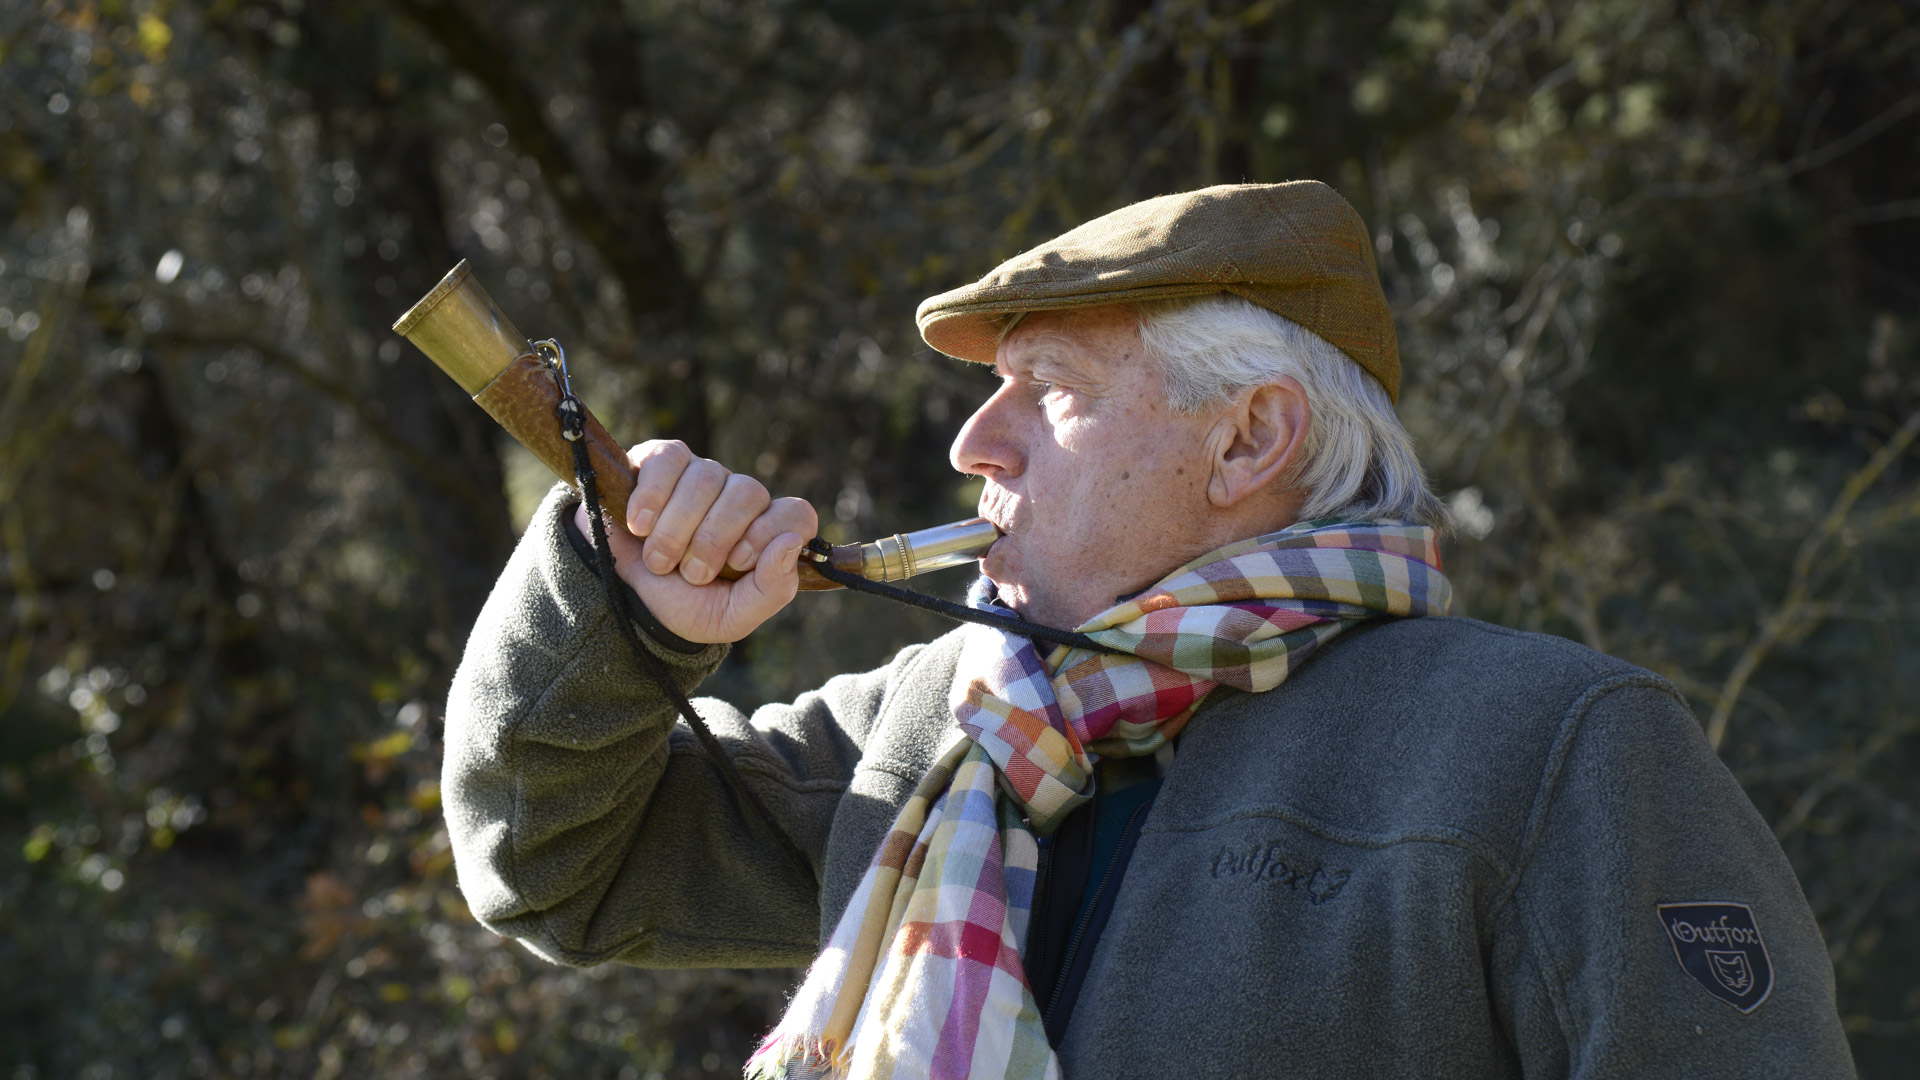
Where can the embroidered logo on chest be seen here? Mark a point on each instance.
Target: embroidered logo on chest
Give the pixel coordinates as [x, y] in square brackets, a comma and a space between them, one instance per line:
[1720, 946]
[1271, 863]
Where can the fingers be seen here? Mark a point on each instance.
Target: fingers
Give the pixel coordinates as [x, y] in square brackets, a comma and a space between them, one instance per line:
[698, 516]
[684, 519]
[788, 515]
[660, 464]
[720, 524]
[724, 611]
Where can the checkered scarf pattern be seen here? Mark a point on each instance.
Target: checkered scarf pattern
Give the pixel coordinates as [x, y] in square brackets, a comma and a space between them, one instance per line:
[922, 977]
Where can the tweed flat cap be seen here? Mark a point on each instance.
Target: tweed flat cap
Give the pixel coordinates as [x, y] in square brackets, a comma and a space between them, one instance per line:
[1297, 249]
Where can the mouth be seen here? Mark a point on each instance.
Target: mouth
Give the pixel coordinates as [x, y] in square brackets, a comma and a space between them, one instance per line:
[996, 505]
[994, 560]
[999, 523]
[1001, 508]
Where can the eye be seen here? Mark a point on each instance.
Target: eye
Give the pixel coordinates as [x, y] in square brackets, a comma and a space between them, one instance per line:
[1054, 399]
[1041, 392]
[1029, 387]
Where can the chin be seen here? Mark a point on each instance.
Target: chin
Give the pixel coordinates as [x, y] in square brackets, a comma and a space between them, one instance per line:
[1034, 608]
[1011, 595]
[1002, 567]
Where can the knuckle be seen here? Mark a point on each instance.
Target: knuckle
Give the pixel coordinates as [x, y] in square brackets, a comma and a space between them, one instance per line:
[708, 473]
[745, 487]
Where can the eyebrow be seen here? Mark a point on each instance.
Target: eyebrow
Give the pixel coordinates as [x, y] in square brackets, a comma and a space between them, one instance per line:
[1041, 356]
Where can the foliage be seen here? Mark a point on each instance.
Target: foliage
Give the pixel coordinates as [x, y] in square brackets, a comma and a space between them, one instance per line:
[1654, 264]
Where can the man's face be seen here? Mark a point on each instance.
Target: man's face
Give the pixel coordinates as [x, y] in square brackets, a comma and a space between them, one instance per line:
[1099, 486]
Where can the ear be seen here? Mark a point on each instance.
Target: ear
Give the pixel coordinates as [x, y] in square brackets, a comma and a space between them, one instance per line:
[1256, 441]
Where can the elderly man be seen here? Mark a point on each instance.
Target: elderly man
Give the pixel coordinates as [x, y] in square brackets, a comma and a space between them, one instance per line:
[1279, 817]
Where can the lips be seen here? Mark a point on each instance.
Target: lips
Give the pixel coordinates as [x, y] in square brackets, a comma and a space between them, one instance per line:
[996, 505]
[988, 553]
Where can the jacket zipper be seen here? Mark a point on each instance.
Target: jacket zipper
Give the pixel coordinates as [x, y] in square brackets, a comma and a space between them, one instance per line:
[1042, 904]
[1043, 898]
[1086, 917]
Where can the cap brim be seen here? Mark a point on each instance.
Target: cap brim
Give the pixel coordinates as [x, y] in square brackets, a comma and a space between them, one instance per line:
[970, 330]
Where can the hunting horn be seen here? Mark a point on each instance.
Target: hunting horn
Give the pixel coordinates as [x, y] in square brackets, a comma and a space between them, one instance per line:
[460, 330]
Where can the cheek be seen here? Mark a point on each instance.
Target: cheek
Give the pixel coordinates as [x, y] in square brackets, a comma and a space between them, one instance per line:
[1104, 492]
[1155, 476]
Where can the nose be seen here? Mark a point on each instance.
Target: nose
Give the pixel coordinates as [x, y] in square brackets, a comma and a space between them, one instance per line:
[988, 444]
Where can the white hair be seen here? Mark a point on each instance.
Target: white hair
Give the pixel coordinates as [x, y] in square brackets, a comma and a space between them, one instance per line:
[1357, 461]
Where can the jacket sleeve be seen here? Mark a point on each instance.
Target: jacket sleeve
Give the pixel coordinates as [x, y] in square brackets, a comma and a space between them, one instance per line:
[588, 823]
[1639, 828]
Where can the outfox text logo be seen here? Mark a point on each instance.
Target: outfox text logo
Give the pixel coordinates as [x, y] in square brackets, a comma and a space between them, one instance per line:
[1719, 945]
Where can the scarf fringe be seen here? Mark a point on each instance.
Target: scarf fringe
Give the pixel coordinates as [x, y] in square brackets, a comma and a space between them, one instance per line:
[776, 1057]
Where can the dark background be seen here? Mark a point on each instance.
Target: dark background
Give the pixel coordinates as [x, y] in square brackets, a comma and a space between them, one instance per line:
[1656, 267]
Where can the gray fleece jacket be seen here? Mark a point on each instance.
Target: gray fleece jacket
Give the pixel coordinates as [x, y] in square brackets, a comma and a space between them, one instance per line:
[1441, 849]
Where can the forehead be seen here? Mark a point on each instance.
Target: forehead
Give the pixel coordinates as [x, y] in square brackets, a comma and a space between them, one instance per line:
[1104, 336]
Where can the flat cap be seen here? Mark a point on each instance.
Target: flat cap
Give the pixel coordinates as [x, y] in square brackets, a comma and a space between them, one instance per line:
[1297, 249]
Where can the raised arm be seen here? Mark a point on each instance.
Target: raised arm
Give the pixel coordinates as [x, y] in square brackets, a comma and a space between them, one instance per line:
[589, 824]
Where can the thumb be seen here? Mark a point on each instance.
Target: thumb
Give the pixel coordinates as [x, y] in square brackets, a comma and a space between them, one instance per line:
[774, 581]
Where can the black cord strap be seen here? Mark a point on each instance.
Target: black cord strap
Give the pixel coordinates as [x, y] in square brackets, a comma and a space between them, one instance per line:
[620, 600]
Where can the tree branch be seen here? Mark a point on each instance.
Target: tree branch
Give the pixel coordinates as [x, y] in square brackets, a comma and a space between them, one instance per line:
[631, 239]
[1796, 605]
[627, 228]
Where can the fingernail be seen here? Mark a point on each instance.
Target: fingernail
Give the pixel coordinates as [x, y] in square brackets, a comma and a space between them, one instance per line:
[695, 571]
[741, 553]
[659, 563]
[641, 523]
[793, 558]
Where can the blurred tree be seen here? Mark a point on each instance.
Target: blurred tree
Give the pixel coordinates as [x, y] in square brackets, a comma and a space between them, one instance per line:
[1654, 263]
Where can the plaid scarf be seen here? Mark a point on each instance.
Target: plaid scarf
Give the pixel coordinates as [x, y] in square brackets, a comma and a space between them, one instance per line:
[922, 975]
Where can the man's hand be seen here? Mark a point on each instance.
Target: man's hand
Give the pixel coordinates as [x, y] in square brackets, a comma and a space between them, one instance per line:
[689, 516]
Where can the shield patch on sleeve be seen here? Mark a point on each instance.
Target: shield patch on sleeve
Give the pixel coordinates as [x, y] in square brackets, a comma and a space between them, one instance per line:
[1720, 946]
